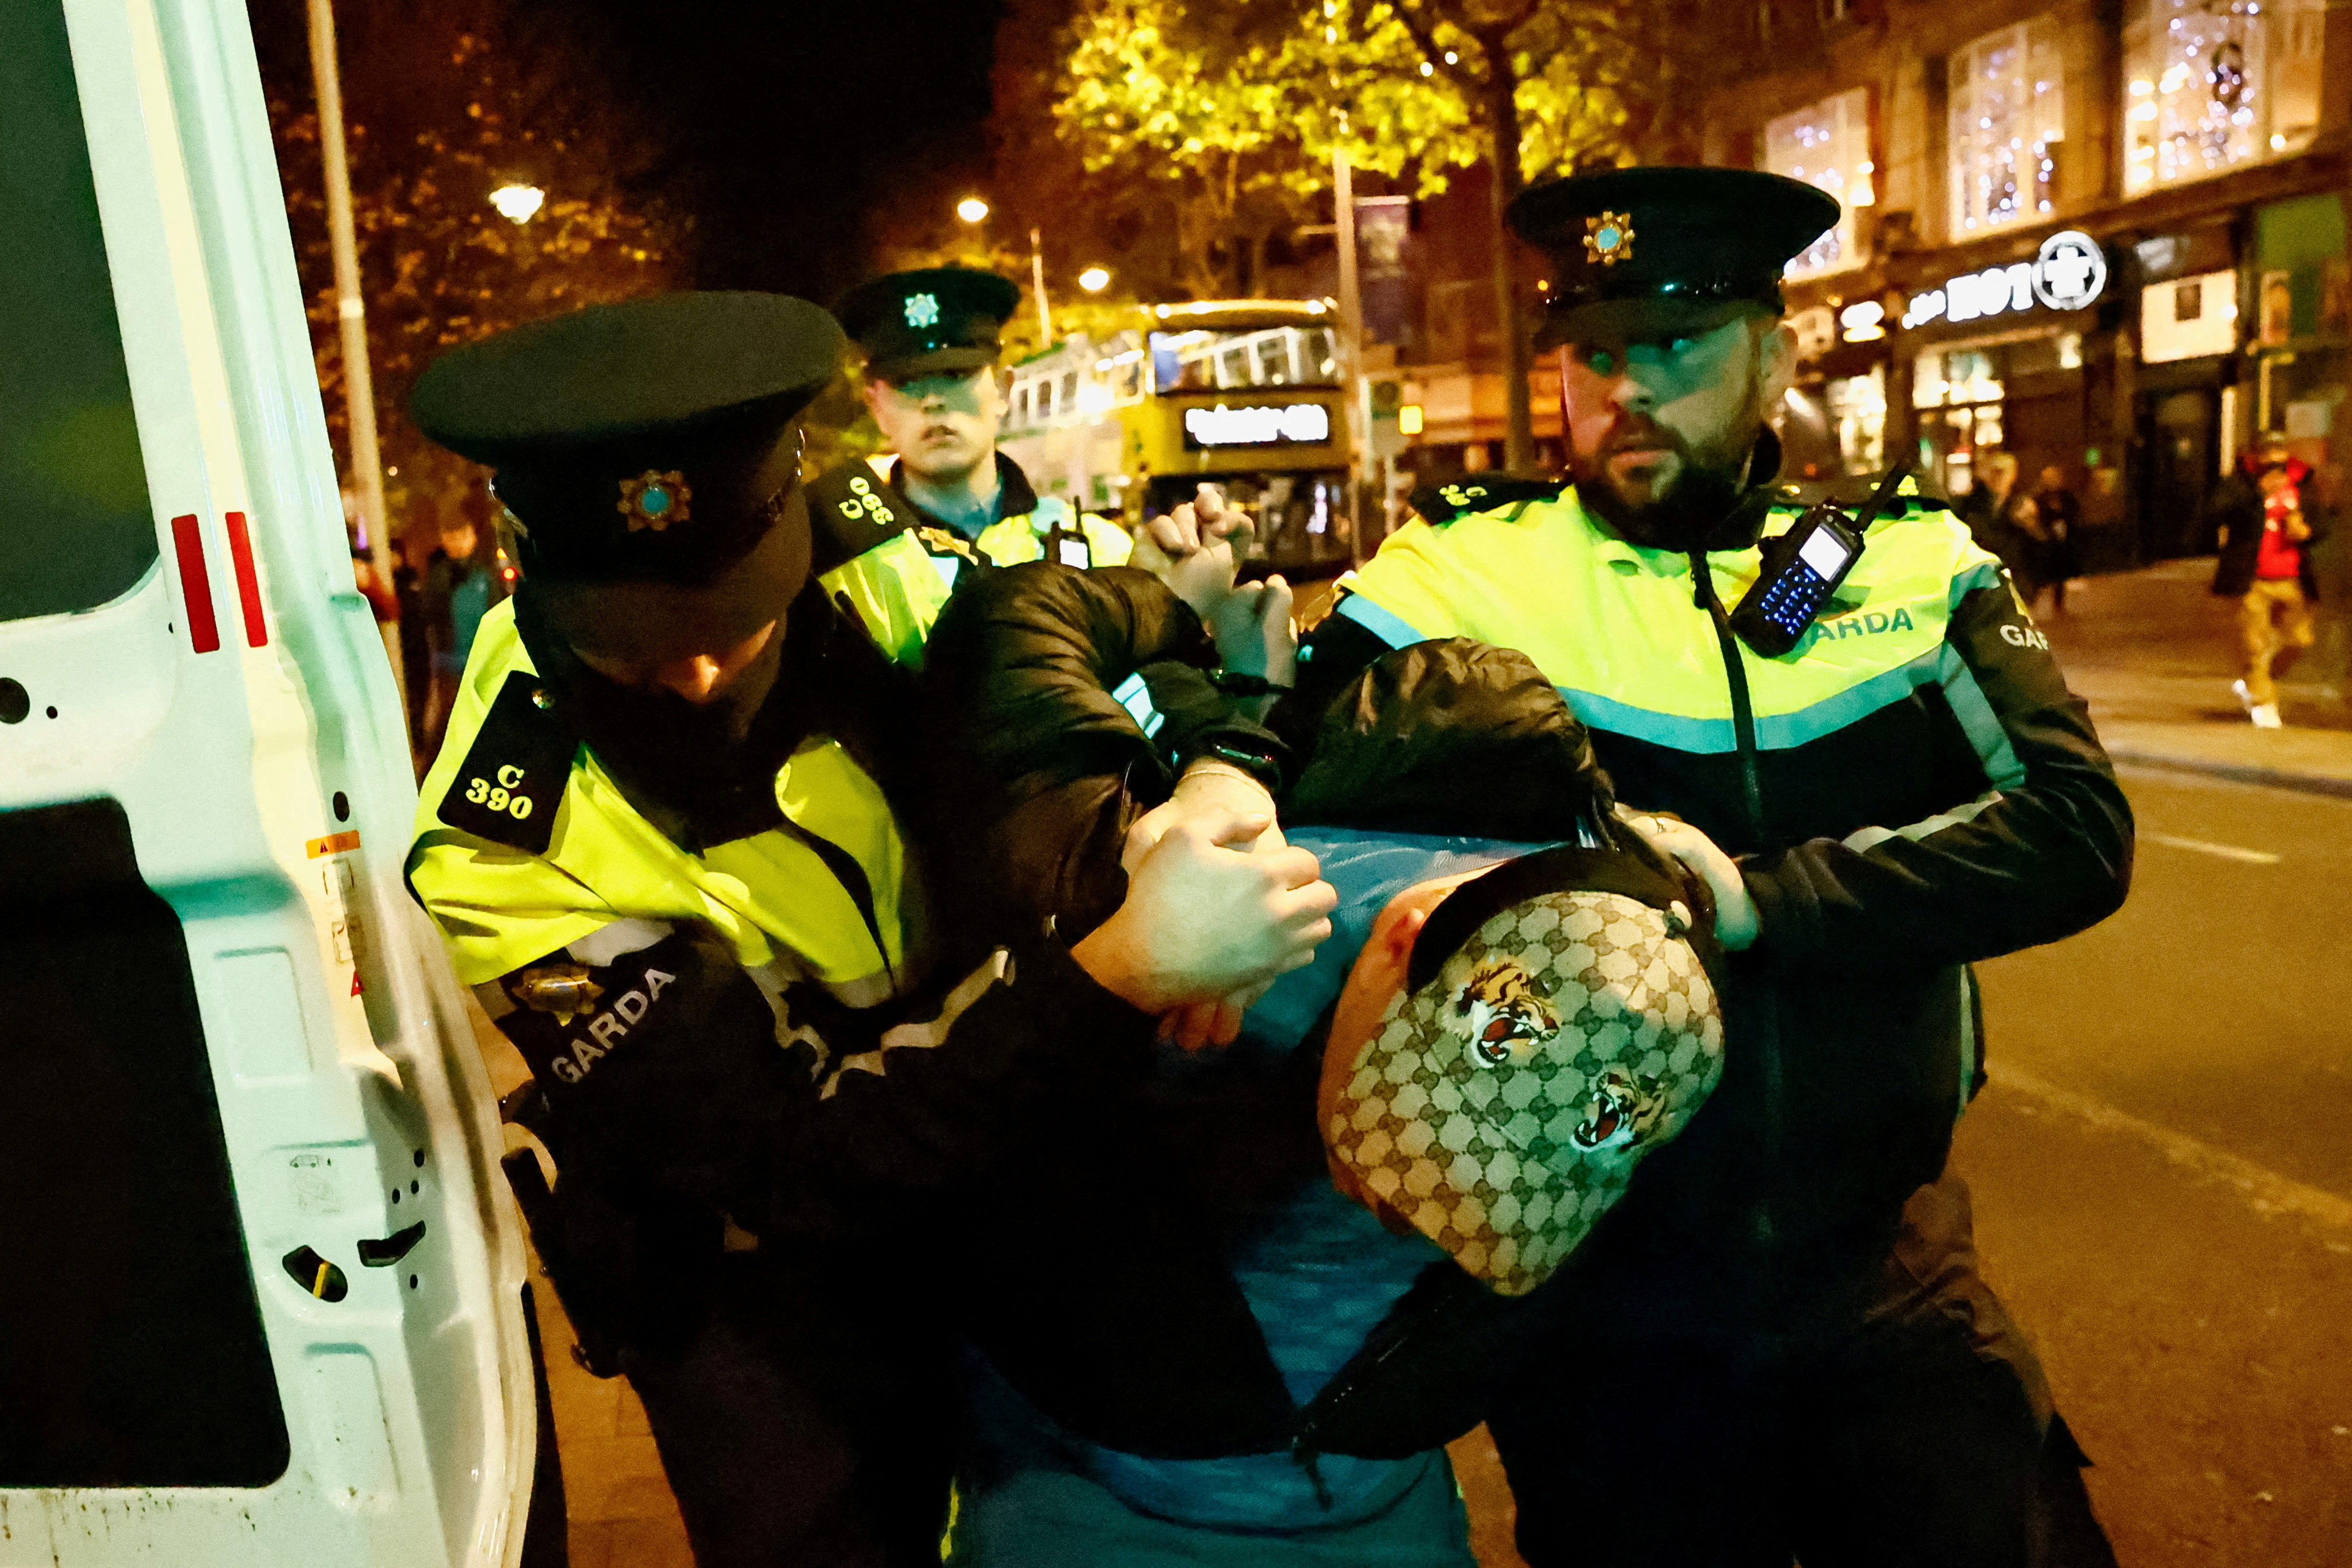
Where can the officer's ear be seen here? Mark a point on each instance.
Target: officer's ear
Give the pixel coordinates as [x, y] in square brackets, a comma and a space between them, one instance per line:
[1776, 359]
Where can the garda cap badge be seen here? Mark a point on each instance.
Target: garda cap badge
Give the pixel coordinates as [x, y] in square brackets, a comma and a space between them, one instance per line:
[922, 311]
[655, 499]
[1609, 238]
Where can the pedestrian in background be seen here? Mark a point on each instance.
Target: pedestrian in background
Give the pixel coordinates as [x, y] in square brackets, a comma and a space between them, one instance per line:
[1995, 512]
[2267, 533]
[460, 585]
[419, 540]
[2057, 553]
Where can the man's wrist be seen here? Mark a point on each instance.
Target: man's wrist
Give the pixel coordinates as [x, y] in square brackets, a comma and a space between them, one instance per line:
[1255, 762]
[1205, 766]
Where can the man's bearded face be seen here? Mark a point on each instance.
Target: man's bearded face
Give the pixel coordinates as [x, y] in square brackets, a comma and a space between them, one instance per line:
[1660, 432]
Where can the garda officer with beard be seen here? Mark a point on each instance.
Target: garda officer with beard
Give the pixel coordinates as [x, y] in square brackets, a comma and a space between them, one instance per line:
[687, 841]
[1779, 1344]
[931, 340]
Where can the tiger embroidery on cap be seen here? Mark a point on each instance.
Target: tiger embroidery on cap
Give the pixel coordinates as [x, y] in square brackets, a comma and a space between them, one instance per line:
[1625, 1111]
[1501, 1014]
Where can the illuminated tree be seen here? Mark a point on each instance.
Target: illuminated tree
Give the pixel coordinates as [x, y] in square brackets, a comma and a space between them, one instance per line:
[447, 101]
[1236, 100]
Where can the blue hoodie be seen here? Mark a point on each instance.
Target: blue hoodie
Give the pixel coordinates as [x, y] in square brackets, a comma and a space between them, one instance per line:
[1319, 1275]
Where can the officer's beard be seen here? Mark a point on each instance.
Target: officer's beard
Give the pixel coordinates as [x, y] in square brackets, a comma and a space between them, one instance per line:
[1707, 505]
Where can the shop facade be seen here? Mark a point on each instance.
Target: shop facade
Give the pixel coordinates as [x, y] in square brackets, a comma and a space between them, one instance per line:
[2137, 351]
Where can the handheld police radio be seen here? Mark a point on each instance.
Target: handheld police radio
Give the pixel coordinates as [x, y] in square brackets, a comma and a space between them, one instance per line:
[1804, 566]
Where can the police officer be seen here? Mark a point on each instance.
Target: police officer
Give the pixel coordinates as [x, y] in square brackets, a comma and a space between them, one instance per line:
[1779, 1345]
[683, 842]
[931, 340]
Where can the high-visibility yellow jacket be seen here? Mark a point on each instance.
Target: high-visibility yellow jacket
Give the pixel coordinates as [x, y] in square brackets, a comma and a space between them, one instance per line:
[1030, 527]
[506, 890]
[766, 1027]
[1072, 538]
[1931, 795]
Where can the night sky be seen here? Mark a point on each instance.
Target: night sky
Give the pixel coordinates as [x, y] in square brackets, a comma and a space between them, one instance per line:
[786, 129]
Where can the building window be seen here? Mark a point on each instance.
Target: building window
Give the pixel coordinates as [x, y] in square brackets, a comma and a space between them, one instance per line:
[2212, 84]
[2007, 117]
[1857, 411]
[1827, 144]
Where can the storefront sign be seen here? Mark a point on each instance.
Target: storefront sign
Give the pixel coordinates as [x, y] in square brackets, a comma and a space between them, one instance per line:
[1864, 321]
[2070, 272]
[2188, 317]
[1287, 425]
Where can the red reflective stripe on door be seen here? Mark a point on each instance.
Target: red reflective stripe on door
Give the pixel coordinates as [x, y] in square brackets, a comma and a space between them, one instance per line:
[248, 588]
[195, 584]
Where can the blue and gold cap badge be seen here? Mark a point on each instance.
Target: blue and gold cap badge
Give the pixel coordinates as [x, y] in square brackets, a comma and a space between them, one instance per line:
[655, 499]
[1609, 238]
[922, 311]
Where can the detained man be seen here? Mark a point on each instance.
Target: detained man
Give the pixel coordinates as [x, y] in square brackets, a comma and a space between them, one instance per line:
[1237, 1328]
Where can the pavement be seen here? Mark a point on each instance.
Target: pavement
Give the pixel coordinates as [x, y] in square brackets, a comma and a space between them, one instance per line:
[2162, 1168]
[2154, 653]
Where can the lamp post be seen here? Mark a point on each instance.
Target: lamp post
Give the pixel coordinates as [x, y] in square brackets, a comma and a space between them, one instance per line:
[1037, 277]
[359, 387]
[1095, 279]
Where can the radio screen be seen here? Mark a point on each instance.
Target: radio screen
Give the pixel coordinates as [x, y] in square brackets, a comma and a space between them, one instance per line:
[1824, 554]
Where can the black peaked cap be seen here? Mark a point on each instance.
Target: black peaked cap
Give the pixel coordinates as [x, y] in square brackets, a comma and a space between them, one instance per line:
[647, 439]
[1647, 249]
[935, 319]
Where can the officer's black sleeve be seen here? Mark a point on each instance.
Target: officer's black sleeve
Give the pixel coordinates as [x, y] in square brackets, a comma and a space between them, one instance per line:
[1044, 678]
[1330, 658]
[807, 1120]
[2044, 852]
[1028, 662]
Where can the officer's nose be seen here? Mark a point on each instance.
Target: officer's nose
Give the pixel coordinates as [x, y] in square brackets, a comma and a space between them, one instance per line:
[696, 678]
[1628, 393]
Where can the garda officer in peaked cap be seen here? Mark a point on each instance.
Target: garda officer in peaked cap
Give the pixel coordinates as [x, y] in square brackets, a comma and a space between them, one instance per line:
[681, 840]
[1804, 1360]
[931, 340]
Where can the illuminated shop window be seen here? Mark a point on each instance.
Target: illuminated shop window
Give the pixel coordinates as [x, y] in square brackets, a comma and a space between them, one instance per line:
[1857, 412]
[2212, 84]
[2008, 117]
[1827, 144]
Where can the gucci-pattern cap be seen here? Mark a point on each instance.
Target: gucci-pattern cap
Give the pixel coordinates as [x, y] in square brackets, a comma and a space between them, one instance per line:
[1524, 1071]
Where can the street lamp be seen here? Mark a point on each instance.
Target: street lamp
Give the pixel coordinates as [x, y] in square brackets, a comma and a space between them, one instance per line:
[517, 204]
[971, 209]
[1094, 279]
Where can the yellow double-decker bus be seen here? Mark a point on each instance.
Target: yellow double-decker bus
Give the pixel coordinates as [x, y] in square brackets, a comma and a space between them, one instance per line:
[1245, 394]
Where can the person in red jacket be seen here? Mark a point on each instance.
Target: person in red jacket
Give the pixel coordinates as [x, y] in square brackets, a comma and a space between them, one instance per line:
[2267, 532]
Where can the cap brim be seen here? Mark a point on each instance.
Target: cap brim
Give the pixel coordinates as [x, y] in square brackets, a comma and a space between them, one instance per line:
[931, 364]
[1639, 318]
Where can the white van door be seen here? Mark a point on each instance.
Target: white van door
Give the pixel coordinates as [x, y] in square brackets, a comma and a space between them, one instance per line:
[260, 1281]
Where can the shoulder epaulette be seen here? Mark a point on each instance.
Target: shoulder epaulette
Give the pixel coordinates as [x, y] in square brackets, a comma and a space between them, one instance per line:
[514, 774]
[850, 510]
[1790, 500]
[1440, 504]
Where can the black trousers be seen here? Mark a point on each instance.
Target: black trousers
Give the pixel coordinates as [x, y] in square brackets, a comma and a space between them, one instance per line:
[797, 1432]
[1915, 1433]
